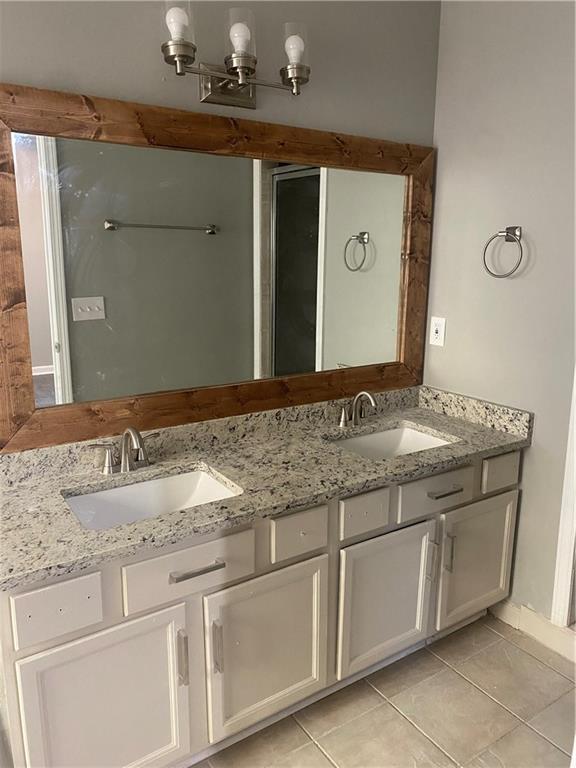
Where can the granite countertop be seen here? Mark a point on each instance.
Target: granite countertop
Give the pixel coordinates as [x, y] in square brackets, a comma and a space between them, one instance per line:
[283, 460]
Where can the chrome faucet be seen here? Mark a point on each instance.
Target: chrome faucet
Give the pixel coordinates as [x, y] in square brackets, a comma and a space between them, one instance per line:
[352, 415]
[132, 451]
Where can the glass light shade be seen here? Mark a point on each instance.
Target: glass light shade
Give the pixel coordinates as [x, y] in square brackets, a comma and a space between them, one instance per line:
[296, 43]
[178, 19]
[241, 32]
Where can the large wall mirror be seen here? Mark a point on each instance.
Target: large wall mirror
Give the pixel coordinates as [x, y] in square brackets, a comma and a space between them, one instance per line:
[154, 269]
[268, 266]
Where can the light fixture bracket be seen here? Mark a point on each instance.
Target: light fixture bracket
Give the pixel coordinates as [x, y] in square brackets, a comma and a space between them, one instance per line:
[223, 90]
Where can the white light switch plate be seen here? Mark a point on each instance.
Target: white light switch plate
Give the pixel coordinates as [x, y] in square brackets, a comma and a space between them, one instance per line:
[437, 331]
[88, 308]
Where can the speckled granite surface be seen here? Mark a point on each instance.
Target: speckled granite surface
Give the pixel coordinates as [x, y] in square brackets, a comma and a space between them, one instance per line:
[282, 459]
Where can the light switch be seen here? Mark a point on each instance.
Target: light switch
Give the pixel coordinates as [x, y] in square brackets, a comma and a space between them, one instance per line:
[437, 331]
[88, 308]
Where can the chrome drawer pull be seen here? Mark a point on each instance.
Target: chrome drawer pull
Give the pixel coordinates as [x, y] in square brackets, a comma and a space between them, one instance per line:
[218, 647]
[435, 495]
[183, 670]
[176, 576]
[450, 564]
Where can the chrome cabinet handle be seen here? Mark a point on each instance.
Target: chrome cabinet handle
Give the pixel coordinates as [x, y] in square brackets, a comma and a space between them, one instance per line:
[178, 576]
[435, 495]
[183, 667]
[431, 560]
[449, 566]
[218, 647]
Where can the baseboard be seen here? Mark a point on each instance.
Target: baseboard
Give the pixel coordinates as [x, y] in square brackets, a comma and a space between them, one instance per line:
[559, 639]
[42, 370]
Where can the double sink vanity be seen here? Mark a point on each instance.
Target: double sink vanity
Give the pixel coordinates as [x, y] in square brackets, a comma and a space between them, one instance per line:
[269, 531]
[258, 562]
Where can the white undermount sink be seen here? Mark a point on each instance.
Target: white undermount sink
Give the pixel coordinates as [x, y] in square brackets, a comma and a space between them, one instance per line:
[391, 443]
[140, 501]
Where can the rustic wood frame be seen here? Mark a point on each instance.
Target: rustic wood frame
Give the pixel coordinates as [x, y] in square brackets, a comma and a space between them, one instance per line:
[67, 115]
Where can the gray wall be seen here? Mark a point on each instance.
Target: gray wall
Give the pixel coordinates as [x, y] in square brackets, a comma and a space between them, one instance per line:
[373, 64]
[179, 305]
[505, 133]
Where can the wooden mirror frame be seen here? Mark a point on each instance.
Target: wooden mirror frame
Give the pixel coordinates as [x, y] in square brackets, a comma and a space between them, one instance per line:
[74, 116]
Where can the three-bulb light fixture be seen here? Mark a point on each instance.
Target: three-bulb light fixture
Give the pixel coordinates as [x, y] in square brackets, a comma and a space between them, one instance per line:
[235, 83]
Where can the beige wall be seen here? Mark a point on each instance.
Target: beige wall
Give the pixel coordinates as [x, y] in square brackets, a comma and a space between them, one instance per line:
[505, 136]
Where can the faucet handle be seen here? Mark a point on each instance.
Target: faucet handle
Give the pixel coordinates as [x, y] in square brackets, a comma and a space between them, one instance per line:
[345, 417]
[110, 464]
[142, 456]
[363, 405]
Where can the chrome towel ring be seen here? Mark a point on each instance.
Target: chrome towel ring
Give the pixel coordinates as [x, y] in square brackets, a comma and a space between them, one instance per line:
[363, 238]
[511, 235]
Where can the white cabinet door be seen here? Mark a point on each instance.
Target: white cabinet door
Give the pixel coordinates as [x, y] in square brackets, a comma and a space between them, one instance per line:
[113, 699]
[384, 596]
[476, 557]
[265, 645]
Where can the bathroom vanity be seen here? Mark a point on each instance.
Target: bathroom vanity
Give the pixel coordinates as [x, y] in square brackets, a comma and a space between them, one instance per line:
[154, 642]
[280, 544]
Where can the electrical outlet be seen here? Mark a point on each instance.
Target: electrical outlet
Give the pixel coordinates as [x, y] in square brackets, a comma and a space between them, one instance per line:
[437, 331]
[88, 308]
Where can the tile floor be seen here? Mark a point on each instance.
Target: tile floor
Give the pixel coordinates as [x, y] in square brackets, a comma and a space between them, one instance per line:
[487, 696]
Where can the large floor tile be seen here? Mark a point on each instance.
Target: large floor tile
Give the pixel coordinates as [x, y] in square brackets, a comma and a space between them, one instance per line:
[263, 749]
[461, 719]
[338, 708]
[309, 756]
[533, 647]
[556, 722]
[515, 679]
[521, 748]
[503, 629]
[382, 738]
[461, 645]
[406, 672]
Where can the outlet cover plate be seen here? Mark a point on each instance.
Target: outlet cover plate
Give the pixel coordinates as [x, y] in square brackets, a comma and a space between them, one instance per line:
[88, 308]
[437, 331]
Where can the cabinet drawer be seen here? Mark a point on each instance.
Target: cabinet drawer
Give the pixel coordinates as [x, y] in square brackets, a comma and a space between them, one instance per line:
[298, 534]
[500, 472]
[45, 613]
[171, 577]
[364, 513]
[433, 494]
